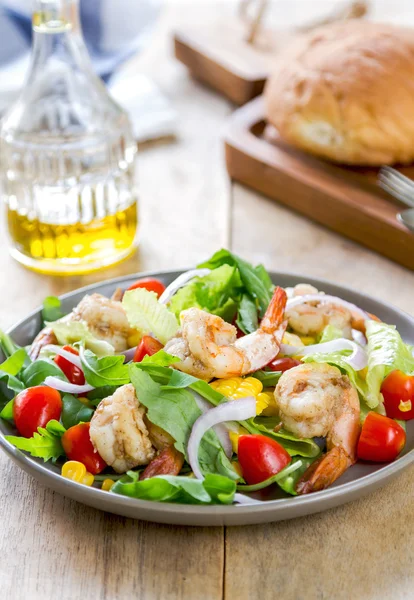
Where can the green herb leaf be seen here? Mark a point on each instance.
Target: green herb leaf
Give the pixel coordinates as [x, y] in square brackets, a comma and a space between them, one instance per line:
[45, 443]
[36, 372]
[74, 411]
[7, 412]
[247, 319]
[214, 489]
[98, 394]
[294, 446]
[51, 310]
[160, 359]
[107, 370]
[253, 279]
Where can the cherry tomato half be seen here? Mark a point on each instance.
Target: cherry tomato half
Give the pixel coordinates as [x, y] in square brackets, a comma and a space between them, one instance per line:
[72, 372]
[283, 364]
[35, 407]
[78, 446]
[260, 457]
[381, 439]
[398, 392]
[152, 285]
[147, 347]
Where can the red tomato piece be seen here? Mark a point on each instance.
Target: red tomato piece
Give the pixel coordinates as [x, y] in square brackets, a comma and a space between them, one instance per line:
[147, 347]
[381, 439]
[260, 457]
[283, 364]
[150, 284]
[398, 392]
[35, 407]
[77, 445]
[72, 372]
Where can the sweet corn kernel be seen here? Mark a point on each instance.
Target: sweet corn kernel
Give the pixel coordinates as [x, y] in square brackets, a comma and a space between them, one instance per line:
[134, 339]
[236, 466]
[292, 339]
[237, 387]
[263, 401]
[234, 438]
[308, 340]
[76, 471]
[107, 484]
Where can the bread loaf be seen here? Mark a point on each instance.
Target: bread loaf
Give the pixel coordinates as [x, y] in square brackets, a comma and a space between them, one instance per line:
[345, 92]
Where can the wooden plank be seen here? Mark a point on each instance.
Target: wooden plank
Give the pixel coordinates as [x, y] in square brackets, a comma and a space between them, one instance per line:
[51, 546]
[363, 549]
[344, 199]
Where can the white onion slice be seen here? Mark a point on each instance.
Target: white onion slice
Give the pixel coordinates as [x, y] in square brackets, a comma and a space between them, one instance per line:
[323, 298]
[235, 410]
[178, 283]
[66, 386]
[220, 430]
[359, 337]
[242, 499]
[72, 358]
[357, 360]
[129, 354]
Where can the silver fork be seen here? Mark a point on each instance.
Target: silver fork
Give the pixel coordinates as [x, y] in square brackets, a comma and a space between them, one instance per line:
[397, 184]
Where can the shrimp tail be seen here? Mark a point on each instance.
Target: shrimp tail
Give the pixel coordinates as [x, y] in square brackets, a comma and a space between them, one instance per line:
[324, 471]
[274, 314]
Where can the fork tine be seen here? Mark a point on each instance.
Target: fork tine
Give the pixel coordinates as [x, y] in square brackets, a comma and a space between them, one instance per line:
[397, 185]
[397, 177]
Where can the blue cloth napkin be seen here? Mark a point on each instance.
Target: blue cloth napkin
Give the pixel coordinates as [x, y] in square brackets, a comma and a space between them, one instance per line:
[113, 30]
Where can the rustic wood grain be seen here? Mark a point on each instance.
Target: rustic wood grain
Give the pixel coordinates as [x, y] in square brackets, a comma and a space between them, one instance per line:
[362, 550]
[52, 547]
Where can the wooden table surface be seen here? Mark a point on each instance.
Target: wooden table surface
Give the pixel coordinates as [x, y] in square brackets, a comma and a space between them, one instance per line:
[53, 547]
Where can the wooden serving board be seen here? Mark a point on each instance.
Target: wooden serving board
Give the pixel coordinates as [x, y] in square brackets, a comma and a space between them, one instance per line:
[218, 55]
[347, 200]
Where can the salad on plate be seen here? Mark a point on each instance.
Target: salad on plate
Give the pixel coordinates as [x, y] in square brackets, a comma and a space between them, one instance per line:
[209, 390]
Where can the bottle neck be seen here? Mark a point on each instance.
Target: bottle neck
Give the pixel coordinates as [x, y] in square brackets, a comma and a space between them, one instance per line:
[55, 16]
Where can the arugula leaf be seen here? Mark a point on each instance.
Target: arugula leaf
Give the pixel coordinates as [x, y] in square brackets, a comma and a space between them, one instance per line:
[282, 475]
[51, 310]
[175, 410]
[217, 293]
[37, 371]
[268, 378]
[289, 481]
[107, 370]
[253, 278]
[160, 359]
[214, 489]
[12, 367]
[45, 443]
[294, 446]
[147, 315]
[74, 411]
[98, 394]
[7, 412]
[247, 319]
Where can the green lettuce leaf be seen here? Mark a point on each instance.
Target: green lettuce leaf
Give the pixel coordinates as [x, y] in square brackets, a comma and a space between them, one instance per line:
[217, 293]
[330, 333]
[160, 359]
[386, 352]
[104, 371]
[37, 371]
[74, 411]
[175, 410]
[70, 332]
[51, 310]
[147, 315]
[268, 378]
[255, 279]
[293, 445]
[7, 345]
[45, 443]
[214, 489]
[247, 319]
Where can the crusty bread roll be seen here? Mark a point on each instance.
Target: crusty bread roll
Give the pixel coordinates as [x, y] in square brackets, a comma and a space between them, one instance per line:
[345, 92]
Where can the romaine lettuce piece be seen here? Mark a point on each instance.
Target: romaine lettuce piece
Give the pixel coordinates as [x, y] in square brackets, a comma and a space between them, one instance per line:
[69, 332]
[148, 316]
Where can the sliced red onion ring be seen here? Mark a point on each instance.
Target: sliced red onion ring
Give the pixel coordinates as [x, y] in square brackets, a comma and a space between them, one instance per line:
[220, 430]
[72, 358]
[357, 360]
[359, 337]
[178, 283]
[297, 300]
[67, 387]
[242, 499]
[234, 410]
[129, 354]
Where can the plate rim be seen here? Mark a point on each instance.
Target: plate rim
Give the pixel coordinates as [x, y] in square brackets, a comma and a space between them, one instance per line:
[383, 474]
